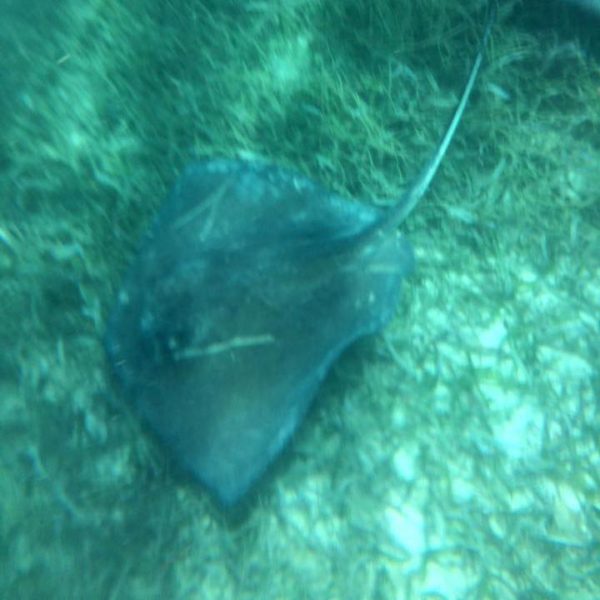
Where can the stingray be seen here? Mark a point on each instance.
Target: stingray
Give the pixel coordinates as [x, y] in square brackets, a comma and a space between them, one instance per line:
[251, 282]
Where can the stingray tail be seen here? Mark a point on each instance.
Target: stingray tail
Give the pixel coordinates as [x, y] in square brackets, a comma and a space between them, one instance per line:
[411, 197]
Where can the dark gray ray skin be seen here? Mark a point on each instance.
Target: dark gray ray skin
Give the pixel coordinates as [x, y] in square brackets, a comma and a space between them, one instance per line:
[251, 282]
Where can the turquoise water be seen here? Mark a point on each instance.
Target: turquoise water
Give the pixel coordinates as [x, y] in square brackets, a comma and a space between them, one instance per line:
[453, 456]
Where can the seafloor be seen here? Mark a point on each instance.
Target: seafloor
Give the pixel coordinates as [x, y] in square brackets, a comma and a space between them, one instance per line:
[454, 456]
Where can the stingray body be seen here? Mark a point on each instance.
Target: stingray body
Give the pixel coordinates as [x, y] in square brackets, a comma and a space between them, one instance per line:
[249, 287]
[251, 282]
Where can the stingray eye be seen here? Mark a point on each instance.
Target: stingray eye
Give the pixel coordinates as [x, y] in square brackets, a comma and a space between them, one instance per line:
[173, 342]
[162, 337]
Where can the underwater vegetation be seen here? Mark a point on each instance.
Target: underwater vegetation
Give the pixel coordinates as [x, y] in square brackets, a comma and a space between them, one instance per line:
[456, 454]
